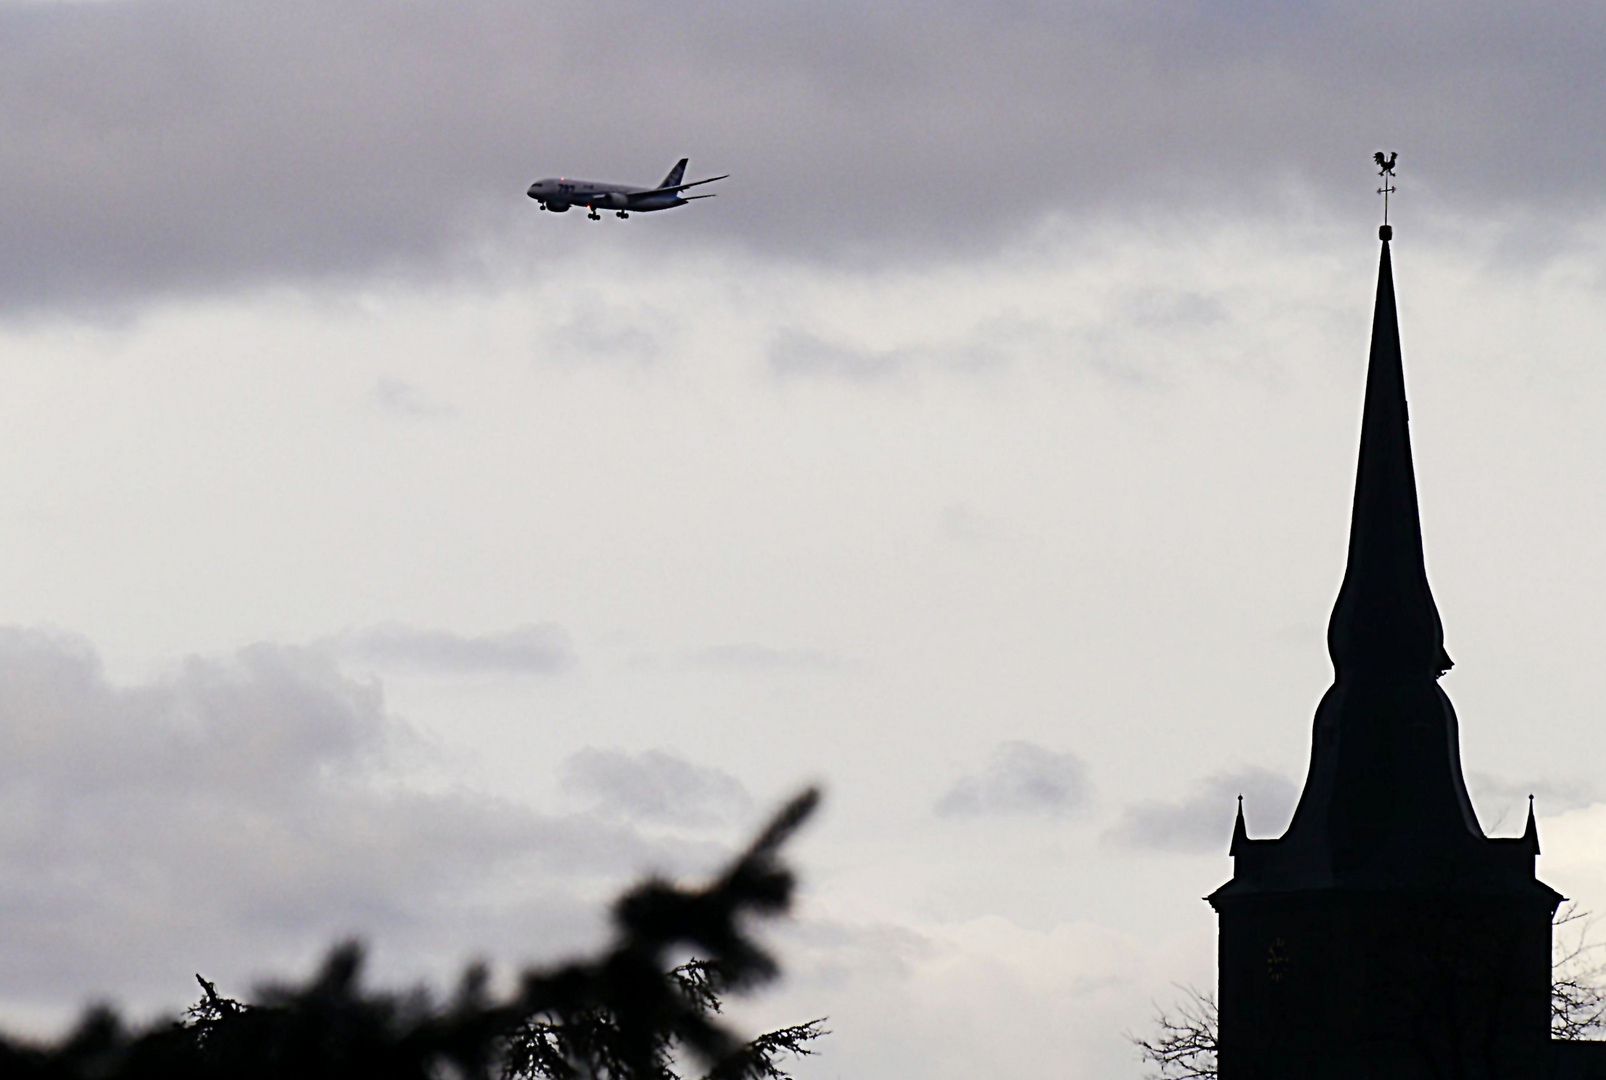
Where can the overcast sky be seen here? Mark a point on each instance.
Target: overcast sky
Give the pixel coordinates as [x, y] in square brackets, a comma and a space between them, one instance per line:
[383, 556]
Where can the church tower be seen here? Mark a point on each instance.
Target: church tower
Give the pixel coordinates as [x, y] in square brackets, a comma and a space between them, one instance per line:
[1383, 935]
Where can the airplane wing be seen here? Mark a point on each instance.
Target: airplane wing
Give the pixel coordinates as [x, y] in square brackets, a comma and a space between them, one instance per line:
[679, 187]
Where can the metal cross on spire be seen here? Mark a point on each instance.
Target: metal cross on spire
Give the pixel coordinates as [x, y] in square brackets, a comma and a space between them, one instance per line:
[1385, 169]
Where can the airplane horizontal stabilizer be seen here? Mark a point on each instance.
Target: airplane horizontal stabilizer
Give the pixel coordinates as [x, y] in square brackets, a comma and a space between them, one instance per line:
[677, 187]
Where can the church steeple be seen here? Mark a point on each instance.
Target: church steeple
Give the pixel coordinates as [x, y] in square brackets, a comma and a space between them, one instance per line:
[1385, 779]
[1384, 802]
[1383, 934]
[1385, 623]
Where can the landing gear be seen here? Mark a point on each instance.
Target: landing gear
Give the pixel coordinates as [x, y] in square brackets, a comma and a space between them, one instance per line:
[623, 214]
[594, 216]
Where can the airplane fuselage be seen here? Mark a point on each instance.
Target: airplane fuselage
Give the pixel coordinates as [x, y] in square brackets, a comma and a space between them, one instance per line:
[560, 193]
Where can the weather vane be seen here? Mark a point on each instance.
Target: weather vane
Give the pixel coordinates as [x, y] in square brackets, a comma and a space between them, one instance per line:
[1385, 169]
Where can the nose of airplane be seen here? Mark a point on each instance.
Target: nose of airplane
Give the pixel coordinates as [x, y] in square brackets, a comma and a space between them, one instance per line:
[531, 192]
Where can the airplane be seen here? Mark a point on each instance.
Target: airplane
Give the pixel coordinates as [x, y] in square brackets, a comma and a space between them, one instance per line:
[557, 194]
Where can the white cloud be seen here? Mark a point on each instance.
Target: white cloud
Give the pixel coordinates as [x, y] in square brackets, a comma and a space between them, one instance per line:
[1572, 856]
[751, 656]
[997, 998]
[212, 473]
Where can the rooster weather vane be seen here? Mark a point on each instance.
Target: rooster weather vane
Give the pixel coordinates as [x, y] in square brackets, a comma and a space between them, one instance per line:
[1385, 169]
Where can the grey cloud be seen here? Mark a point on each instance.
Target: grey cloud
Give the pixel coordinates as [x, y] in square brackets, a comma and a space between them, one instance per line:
[1170, 310]
[536, 650]
[1202, 822]
[795, 352]
[241, 811]
[1021, 778]
[183, 145]
[967, 525]
[656, 786]
[798, 353]
[406, 399]
[607, 334]
[1503, 805]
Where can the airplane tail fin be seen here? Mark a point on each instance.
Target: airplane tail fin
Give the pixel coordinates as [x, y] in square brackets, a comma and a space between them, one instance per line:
[675, 174]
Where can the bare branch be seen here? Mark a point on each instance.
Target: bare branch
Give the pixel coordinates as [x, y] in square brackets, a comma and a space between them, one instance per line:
[1578, 977]
[1185, 1046]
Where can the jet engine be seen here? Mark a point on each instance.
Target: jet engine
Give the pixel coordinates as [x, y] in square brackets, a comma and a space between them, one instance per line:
[556, 207]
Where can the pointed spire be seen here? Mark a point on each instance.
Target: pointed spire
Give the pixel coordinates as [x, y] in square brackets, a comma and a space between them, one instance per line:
[1530, 834]
[1240, 834]
[1385, 622]
[1385, 806]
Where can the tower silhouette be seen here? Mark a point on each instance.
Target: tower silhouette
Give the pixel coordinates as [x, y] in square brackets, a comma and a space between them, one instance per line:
[1383, 935]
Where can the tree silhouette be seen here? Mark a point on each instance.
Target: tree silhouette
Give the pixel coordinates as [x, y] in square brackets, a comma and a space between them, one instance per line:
[625, 1015]
[1577, 977]
[1184, 1046]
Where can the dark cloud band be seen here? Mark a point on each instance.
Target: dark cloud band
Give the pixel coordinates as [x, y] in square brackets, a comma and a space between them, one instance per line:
[170, 146]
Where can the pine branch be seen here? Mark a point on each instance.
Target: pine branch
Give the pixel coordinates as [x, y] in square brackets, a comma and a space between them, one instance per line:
[621, 1016]
[757, 1060]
